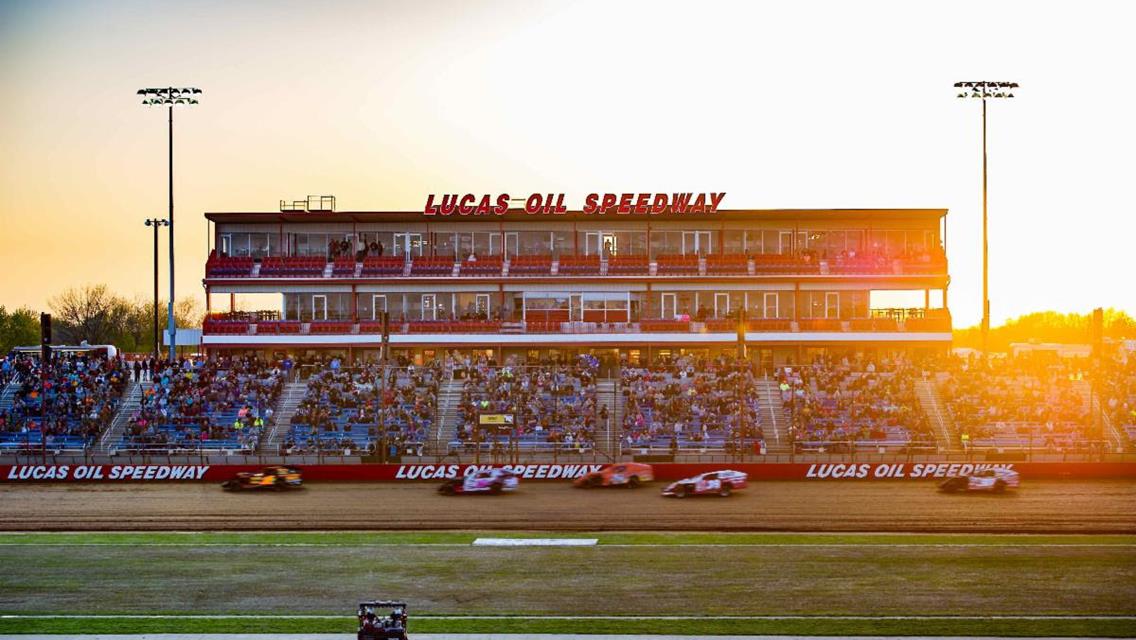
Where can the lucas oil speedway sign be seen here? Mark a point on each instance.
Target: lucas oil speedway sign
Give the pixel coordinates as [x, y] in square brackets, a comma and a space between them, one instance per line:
[104, 472]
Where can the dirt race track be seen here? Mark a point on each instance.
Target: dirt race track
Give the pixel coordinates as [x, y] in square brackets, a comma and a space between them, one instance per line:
[1041, 506]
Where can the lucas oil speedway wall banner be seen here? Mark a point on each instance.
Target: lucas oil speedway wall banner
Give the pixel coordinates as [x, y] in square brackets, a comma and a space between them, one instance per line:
[865, 471]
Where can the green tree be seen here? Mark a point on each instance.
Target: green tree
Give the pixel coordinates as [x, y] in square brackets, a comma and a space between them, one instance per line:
[20, 328]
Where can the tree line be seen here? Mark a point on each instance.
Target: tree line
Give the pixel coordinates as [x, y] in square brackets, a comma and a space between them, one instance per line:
[1048, 326]
[95, 314]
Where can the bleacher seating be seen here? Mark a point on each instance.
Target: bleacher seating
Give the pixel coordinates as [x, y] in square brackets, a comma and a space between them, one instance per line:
[205, 404]
[676, 265]
[628, 265]
[330, 327]
[578, 266]
[378, 266]
[820, 324]
[483, 266]
[225, 327]
[691, 404]
[664, 326]
[530, 265]
[228, 266]
[293, 266]
[776, 264]
[554, 407]
[454, 326]
[432, 266]
[730, 265]
[343, 267]
[66, 408]
[350, 410]
[1017, 403]
[855, 404]
[274, 327]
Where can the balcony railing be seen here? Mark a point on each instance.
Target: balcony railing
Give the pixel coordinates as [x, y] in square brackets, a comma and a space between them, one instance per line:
[252, 327]
[531, 266]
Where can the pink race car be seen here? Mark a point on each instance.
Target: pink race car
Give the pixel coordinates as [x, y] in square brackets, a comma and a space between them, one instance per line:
[720, 483]
[491, 481]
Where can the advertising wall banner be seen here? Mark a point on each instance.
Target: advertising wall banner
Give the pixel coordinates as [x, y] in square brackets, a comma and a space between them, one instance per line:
[563, 472]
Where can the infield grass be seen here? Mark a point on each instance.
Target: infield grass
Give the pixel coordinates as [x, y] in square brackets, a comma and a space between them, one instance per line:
[324, 575]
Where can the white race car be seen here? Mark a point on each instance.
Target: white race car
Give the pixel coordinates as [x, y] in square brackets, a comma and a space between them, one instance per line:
[486, 481]
[721, 483]
[992, 480]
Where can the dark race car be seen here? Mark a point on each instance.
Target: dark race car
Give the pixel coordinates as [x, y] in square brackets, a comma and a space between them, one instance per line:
[373, 625]
[275, 478]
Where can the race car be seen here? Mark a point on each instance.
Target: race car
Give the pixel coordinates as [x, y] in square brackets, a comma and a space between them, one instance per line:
[492, 481]
[721, 483]
[627, 474]
[278, 478]
[375, 626]
[991, 480]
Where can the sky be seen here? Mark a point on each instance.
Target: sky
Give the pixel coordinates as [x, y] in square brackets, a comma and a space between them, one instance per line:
[779, 104]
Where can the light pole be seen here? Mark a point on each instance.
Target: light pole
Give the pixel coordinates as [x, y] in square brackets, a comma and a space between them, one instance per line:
[169, 97]
[155, 223]
[982, 90]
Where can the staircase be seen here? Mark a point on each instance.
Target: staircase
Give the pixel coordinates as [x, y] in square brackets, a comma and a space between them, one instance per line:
[8, 395]
[607, 434]
[940, 421]
[286, 406]
[773, 414]
[131, 403]
[449, 398]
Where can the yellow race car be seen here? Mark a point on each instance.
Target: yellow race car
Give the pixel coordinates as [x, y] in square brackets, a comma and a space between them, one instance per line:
[277, 477]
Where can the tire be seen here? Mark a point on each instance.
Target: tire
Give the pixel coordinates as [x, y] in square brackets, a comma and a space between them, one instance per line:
[495, 489]
[999, 487]
[594, 482]
[680, 491]
[633, 482]
[446, 489]
[725, 490]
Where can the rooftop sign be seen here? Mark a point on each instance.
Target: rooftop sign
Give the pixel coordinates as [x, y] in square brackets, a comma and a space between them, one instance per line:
[470, 204]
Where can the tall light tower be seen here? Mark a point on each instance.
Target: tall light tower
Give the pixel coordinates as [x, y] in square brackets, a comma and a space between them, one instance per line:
[156, 223]
[169, 97]
[985, 89]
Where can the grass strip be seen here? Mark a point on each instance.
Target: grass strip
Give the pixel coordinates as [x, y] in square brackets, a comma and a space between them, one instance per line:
[818, 626]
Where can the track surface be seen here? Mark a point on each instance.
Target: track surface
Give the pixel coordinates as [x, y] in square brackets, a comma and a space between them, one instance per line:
[1041, 506]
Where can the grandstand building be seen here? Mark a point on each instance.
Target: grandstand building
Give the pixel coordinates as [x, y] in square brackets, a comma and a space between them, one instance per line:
[529, 286]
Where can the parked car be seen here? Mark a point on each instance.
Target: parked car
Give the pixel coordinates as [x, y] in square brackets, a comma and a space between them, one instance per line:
[995, 480]
[719, 483]
[491, 481]
[624, 474]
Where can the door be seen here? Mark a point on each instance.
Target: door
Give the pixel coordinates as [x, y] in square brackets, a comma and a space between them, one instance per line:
[769, 302]
[721, 305]
[576, 307]
[319, 307]
[695, 243]
[227, 244]
[481, 305]
[429, 306]
[831, 305]
[378, 306]
[512, 244]
[407, 244]
[610, 245]
[669, 306]
[785, 242]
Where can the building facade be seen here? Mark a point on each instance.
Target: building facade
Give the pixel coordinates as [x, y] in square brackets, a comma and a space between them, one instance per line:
[529, 286]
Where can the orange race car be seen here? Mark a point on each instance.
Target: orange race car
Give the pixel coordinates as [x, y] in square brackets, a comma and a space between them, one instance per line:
[624, 474]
